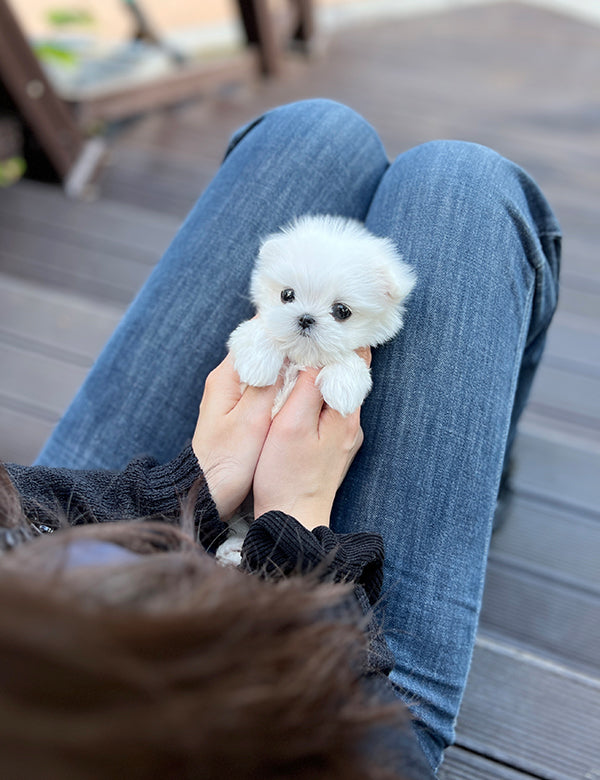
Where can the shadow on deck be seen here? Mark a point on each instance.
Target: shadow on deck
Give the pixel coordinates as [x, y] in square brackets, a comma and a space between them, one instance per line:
[517, 78]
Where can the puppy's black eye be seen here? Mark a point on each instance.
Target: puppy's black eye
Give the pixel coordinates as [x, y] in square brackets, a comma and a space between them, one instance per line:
[340, 311]
[287, 295]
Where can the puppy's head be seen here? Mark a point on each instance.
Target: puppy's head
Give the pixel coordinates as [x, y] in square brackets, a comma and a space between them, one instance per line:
[324, 286]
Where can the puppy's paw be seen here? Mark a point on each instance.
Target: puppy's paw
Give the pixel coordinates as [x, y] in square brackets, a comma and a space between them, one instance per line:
[230, 551]
[255, 359]
[344, 386]
[257, 369]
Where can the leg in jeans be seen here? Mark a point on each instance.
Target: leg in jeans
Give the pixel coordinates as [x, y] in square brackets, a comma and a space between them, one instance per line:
[485, 246]
[443, 404]
[142, 395]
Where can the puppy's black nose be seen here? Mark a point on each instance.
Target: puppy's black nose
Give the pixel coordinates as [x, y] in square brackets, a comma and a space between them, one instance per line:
[305, 321]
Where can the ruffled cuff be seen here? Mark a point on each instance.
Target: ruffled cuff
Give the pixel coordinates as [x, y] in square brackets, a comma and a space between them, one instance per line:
[277, 545]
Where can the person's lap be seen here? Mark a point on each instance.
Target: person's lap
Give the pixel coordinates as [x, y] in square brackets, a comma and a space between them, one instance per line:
[143, 393]
[440, 414]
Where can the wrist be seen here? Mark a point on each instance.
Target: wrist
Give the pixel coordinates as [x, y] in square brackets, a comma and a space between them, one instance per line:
[221, 491]
[311, 514]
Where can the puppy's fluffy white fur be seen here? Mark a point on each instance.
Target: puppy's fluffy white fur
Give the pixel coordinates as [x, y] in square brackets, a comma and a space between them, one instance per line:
[348, 289]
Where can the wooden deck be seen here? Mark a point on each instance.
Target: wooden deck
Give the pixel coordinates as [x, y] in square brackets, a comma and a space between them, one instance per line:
[515, 77]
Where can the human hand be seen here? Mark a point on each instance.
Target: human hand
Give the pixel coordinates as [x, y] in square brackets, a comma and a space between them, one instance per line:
[229, 435]
[306, 455]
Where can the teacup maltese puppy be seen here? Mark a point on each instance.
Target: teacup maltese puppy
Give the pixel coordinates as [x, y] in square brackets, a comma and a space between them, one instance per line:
[323, 287]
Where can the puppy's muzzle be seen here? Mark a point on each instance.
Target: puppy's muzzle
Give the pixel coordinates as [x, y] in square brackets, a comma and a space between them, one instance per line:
[305, 321]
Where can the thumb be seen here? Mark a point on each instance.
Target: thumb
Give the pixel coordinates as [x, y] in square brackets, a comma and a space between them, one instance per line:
[303, 408]
[222, 388]
[260, 398]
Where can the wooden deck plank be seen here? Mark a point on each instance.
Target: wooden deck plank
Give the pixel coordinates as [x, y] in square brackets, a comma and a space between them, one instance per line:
[460, 764]
[550, 538]
[95, 273]
[126, 229]
[535, 716]
[42, 320]
[557, 469]
[565, 391]
[48, 341]
[543, 580]
[32, 433]
[574, 342]
[583, 303]
[535, 420]
[46, 383]
[554, 616]
[104, 250]
[580, 234]
[181, 182]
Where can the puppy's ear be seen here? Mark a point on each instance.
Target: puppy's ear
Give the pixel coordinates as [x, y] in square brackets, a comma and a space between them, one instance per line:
[270, 250]
[269, 255]
[395, 277]
[401, 281]
[395, 280]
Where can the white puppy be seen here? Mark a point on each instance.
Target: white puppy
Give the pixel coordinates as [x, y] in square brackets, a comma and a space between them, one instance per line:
[322, 287]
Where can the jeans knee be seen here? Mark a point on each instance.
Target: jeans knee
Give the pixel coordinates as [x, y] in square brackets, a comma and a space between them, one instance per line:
[331, 127]
[460, 165]
[319, 128]
[484, 176]
[317, 112]
[476, 178]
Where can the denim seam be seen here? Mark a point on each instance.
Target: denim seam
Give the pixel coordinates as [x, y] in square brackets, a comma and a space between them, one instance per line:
[521, 347]
[241, 134]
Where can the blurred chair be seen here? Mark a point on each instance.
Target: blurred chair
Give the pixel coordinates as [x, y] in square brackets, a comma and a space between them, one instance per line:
[261, 30]
[55, 126]
[52, 142]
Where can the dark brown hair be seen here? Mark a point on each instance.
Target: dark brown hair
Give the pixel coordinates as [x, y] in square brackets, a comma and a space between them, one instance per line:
[174, 666]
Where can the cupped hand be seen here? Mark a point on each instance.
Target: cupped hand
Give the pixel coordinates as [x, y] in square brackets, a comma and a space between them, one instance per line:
[230, 433]
[306, 455]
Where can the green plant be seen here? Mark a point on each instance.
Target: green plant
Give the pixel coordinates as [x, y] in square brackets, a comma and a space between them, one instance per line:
[63, 17]
[53, 51]
[57, 52]
[11, 170]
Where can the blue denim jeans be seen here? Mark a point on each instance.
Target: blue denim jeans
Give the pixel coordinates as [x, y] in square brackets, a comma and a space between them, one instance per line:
[447, 391]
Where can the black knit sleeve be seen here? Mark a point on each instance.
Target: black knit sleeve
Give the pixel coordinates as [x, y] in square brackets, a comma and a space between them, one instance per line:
[143, 489]
[278, 544]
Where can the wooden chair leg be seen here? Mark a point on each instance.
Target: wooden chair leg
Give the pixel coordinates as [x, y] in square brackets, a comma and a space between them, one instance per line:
[306, 22]
[260, 31]
[44, 113]
[144, 31]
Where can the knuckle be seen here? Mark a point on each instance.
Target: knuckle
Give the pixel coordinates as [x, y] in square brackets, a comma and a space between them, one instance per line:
[289, 426]
[288, 429]
[212, 378]
[308, 377]
[256, 420]
[354, 433]
[360, 437]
